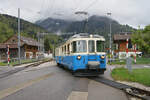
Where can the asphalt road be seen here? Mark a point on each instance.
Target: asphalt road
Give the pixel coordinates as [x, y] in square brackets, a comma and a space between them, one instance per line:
[49, 82]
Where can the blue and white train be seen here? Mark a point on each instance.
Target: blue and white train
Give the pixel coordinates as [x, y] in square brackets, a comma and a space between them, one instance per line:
[83, 54]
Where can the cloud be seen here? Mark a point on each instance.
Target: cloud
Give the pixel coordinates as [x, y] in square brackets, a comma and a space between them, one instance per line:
[132, 12]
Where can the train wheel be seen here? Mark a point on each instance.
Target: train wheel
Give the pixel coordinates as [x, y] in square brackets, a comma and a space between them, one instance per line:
[58, 64]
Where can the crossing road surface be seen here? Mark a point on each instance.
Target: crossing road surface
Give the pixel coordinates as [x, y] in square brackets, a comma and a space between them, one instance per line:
[49, 82]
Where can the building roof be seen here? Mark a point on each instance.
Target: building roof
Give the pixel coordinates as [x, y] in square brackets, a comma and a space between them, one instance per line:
[30, 41]
[24, 40]
[10, 45]
[121, 36]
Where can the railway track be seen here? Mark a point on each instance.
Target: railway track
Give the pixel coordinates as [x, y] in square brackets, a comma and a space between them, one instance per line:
[21, 68]
[135, 92]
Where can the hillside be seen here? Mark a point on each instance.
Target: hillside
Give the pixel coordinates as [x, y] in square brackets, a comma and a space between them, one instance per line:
[96, 25]
[8, 27]
[54, 25]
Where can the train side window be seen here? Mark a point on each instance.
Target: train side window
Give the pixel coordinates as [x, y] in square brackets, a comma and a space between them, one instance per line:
[65, 49]
[74, 45]
[68, 48]
[100, 46]
[62, 49]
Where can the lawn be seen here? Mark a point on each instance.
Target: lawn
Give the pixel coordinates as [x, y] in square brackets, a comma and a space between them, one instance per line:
[17, 62]
[143, 61]
[23, 61]
[137, 75]
[138, 61]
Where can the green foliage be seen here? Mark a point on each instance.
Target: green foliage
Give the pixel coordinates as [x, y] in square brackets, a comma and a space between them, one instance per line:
[9, 26]
[5, 31]
[142, 38]
[51, 41]
[137, 75]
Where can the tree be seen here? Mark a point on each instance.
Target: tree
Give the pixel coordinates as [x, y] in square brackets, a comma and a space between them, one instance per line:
[46, 44]
[142, 39]
[5, 32]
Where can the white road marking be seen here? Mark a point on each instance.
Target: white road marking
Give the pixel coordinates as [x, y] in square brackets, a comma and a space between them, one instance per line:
[76, 95]
[146, 66]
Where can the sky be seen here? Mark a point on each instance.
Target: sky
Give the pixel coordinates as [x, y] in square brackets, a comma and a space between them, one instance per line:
[132, 12]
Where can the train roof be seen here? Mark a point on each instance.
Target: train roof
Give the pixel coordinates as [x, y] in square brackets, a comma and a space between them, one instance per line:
[83, 35]
[86, 35]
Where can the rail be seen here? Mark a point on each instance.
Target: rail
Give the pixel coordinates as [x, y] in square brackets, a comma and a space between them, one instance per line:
[135, 92]
[3, 75]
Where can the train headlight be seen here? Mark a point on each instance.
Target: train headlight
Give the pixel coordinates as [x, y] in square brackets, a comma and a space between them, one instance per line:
[103, 57]
[79, 57]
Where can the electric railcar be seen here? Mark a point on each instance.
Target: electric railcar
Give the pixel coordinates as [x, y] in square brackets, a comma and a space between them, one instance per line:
[83, 54]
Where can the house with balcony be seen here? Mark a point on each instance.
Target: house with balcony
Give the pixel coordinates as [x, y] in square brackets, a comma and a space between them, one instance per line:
[28, 48]
[121, 47]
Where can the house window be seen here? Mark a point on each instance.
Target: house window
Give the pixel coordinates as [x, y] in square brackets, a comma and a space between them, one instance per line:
[13, 40]
[130, 44]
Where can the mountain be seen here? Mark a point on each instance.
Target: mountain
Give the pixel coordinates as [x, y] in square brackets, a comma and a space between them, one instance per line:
[9, 26]
[54, 25]
[96, 25]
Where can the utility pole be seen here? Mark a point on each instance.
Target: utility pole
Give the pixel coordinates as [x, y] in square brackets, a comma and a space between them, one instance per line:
[110, 43]
[38, 45]
[38, 41]
[19, 36]
[40, 37]
[43, 42]
[109, 14]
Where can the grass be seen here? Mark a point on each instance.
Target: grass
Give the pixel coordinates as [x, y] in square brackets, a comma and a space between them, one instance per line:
[23, 61]
[17, 62]
[117, 62]
[137, 75]
[138, 61]
[143, 61]
[3, 64]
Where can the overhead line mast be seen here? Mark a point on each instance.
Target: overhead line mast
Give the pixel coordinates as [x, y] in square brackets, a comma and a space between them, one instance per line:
[19, 36]
[110, 41]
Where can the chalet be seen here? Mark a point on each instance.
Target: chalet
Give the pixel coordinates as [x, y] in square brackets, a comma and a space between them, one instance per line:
[29, 48]
[120, 41]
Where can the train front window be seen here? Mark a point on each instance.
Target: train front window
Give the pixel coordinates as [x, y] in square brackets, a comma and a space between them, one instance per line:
[100, 46]
[91, 46]
[79, 46]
